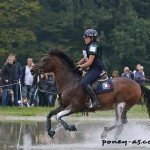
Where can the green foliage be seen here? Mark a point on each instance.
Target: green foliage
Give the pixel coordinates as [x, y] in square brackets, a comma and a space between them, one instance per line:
[32, 27]
[15, 31]
[130, 39]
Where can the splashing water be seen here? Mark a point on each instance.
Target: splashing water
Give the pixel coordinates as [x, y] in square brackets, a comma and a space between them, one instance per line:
[134, 135]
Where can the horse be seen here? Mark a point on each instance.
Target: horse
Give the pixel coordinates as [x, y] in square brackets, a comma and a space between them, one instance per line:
[73, 98]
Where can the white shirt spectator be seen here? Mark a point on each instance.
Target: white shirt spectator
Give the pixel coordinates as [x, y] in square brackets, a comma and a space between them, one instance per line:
[28, 76]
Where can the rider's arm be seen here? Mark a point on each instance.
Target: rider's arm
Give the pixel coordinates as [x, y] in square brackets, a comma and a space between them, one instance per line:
[89, 62]
[81, 61]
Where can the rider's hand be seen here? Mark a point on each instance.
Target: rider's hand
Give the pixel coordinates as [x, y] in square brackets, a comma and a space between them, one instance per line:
[80, 67]
[77, 67]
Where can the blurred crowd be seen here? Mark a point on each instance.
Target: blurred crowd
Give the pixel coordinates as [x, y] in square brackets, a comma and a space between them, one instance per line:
[138, 74]
[18, 87]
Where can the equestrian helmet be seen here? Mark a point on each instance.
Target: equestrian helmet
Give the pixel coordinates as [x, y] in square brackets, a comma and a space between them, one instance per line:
[90, 33]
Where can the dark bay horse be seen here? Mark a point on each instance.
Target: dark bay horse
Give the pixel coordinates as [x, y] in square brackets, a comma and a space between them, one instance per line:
[73, 99]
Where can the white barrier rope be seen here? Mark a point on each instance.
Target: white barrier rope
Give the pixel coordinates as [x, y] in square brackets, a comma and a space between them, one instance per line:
[22, 88]
[8, 85]
[26, 90]
[47, 92]
[38, 90]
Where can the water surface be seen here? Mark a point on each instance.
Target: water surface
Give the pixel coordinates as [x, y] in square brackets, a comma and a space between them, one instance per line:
[32, 135]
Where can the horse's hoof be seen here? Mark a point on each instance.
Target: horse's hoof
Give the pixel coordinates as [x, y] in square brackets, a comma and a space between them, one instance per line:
[124, 121]
[104, 134]
[51, 134]
[72, 127]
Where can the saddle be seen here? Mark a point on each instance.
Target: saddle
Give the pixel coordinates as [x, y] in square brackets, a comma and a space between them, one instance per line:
[102, 84]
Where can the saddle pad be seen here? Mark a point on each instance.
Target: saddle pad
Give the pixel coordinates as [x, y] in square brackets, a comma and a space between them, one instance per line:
[104, 86]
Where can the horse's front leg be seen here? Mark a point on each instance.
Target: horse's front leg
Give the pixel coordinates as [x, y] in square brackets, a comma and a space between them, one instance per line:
[67, 111]
[48, 123]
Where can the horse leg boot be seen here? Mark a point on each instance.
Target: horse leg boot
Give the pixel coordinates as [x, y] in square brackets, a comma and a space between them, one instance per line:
[95, 102]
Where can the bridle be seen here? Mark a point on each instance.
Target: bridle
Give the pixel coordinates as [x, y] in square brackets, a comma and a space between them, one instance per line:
[38, 68]
[46, 62]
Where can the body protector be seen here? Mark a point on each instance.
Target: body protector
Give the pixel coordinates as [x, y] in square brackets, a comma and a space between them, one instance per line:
[94, 49]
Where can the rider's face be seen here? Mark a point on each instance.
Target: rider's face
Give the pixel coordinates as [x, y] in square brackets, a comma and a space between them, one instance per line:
[87, 40]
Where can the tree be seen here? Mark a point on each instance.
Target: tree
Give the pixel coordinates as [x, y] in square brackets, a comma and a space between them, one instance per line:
[130, 40]
[15, 31]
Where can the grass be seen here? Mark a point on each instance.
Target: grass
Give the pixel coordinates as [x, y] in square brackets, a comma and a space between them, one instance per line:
[136, 112]
[24, 111]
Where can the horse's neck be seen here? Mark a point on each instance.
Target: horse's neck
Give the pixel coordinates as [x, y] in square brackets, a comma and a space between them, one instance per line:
[65, 77]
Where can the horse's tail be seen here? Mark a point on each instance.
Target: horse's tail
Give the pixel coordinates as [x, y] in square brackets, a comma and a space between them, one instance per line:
[146, 97]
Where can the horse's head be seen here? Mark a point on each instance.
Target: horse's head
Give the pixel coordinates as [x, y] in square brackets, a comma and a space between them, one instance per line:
[55, 59]
[43, 66]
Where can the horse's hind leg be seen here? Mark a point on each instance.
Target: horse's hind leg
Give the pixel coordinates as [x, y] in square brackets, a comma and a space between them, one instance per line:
[122, 119]
[109, 128]
[48, 123]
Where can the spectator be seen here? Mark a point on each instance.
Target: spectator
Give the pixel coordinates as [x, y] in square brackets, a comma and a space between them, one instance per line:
[0, 88]
[27, 80]
[127, 73]
[115, 74]
[54, 96]
[16, 78]
[34, 95]
[140, 77]
[0, 95]
[51, 90]
[137, 69]
[7, 76]
[42, 91]
[0, 78]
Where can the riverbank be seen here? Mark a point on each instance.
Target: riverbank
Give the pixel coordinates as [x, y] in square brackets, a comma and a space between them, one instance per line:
[39, 114]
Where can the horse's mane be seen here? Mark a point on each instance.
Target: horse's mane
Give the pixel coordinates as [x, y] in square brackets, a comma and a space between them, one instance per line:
[62, 55]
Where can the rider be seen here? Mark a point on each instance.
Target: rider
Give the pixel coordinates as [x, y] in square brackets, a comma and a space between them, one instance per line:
[92, 58]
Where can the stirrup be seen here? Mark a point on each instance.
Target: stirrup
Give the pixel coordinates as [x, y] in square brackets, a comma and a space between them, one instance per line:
[91, 106]
[97, 104]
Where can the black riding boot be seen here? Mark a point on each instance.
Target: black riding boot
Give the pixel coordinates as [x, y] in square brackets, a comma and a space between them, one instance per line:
[95, 102]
